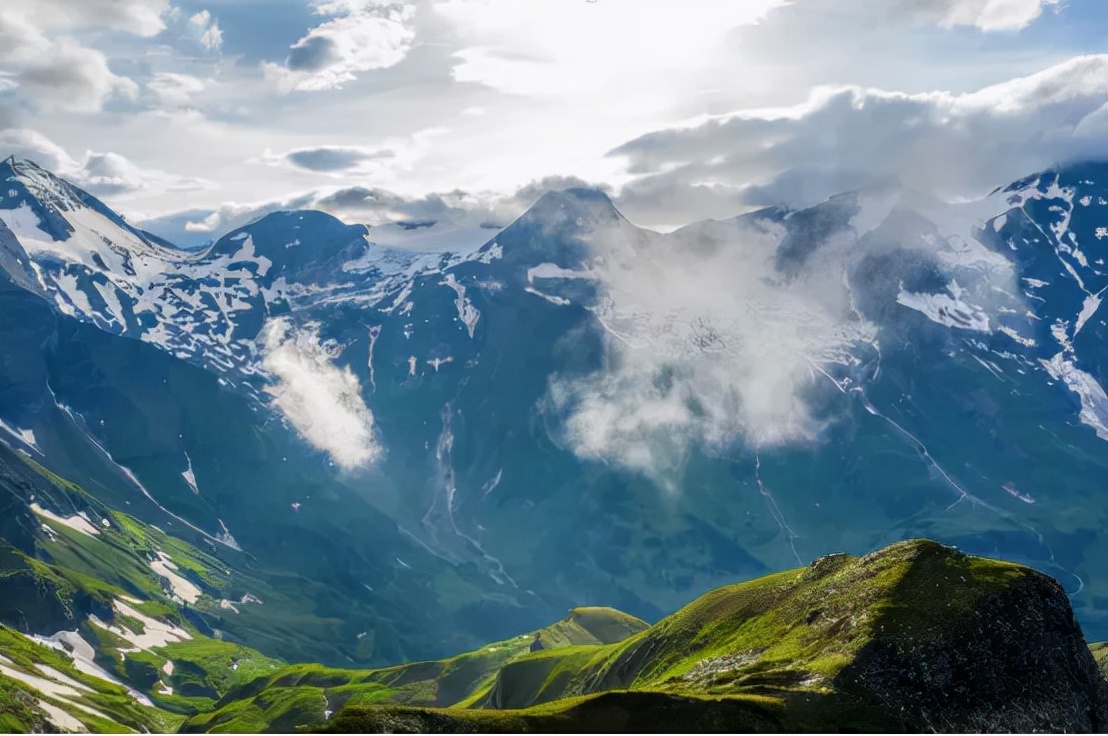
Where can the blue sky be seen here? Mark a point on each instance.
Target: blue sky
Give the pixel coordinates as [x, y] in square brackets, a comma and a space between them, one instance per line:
[192, 115]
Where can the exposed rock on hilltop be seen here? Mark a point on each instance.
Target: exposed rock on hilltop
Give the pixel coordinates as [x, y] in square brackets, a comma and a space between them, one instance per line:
[913, 637]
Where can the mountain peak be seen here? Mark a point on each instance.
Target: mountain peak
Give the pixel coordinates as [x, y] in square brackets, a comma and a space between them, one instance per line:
[554, 228]
[296, 239]
[585, 207]
[55, 200]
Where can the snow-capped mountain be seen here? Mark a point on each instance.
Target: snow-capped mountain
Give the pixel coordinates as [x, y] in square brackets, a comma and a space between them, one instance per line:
[205, 307]
[579, 410]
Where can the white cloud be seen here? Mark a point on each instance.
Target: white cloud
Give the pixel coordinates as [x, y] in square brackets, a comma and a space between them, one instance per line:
[139, 17]
[205, 30]
[322, 401]
[374, 206]
[952, 146]
[554, 48]
[987, 15]
[557, 86]
[100, 173]
[175, 90]
[30, 144]
[207, 225]
[709, 346]
[362, 35]
[54, 73]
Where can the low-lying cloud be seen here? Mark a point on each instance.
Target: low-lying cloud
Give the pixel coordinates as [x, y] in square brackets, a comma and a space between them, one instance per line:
[322, 401]
[101, 173]
[373, 206]
[709, 347]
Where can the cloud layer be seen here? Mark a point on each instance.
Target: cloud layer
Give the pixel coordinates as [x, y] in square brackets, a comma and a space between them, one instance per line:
[322, 401]
[988, 15]
[781, 101]
[952, 146]
[100, 173]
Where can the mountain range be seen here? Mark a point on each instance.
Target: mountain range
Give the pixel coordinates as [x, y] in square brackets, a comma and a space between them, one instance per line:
[343, 452]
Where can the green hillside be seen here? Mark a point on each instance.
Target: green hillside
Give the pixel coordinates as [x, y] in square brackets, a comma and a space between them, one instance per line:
[111, 624]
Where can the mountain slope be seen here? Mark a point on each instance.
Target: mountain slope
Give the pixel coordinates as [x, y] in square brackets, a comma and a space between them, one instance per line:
[914, 636]
[580, 411]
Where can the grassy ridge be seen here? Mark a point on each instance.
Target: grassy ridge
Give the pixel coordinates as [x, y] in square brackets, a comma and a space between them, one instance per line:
[304, 693]
[914, 636]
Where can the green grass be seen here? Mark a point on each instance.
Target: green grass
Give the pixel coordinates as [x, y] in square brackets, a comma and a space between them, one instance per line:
[780, 641]
[1100, 655]
[17, 711]
[457, 681]
[779, 652]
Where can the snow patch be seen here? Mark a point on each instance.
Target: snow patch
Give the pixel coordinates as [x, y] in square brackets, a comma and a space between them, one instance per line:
[77, 522]
[467, 313]
[60, 718]
[189, 476]
[1094, 401]
[155, 633]
[26, 436]
[945, 310]
[554, 271]
[182, 587]
[1088, 309]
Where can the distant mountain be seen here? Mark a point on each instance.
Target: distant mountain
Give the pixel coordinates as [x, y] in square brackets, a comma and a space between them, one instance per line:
[416, 453]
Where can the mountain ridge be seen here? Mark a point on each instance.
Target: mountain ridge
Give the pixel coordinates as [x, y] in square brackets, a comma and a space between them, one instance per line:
[477, 381]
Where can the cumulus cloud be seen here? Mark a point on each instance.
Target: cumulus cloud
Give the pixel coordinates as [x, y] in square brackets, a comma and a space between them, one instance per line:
[950, 145]
[322, 401]
[140, 17]
[101, 173]
[987, 15]
[50, 72]
[49, 69]
[205, 30]
[360, 35]
[709, 346]
[30, 144]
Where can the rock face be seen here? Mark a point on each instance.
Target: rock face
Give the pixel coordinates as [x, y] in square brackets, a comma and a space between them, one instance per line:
[1014, 660]
[914, 637]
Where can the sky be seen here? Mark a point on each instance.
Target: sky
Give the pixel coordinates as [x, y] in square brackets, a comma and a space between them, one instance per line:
[191, 117]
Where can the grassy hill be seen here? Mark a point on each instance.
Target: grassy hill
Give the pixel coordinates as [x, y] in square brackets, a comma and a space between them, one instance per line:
[115, 625]
[916, 636]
